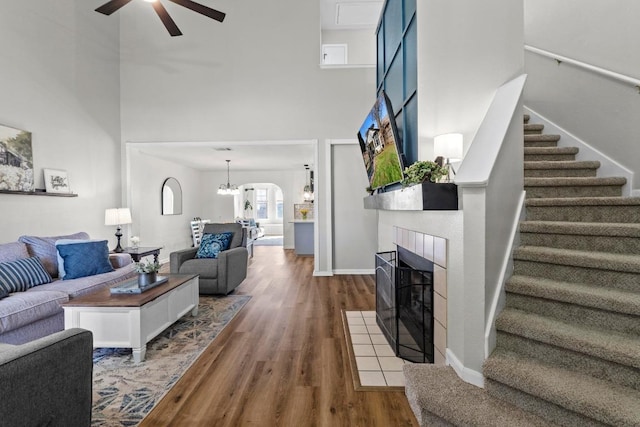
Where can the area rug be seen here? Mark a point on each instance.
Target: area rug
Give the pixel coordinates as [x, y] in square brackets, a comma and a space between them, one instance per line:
[269, 241]
[125, 392]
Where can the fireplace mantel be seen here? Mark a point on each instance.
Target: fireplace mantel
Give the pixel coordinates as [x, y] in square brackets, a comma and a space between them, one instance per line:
[424, 197]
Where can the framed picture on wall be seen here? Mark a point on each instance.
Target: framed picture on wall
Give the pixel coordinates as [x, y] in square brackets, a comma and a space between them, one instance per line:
[16, 160]
[56, 181]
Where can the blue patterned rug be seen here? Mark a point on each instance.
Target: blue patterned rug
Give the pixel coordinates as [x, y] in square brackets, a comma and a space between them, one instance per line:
[124, 393]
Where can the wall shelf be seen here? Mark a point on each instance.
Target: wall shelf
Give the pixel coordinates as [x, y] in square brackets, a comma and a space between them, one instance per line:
[424, 197]
[38, 193]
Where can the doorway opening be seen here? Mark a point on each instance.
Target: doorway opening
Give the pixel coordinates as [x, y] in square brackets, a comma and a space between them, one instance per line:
[260, 207]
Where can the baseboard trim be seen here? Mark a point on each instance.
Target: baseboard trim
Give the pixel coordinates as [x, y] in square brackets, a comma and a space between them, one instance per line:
[354, 271]
[467, 375]
[317, 273]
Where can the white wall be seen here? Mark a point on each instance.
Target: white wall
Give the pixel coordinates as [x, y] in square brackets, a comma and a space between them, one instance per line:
[59, 79]
[354, 237]
[361, 44]
[253, 77]
[600, 111]
[466, 50]
[146, 176]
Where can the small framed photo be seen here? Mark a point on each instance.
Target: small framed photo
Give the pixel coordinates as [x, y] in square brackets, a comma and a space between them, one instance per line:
[56, 181]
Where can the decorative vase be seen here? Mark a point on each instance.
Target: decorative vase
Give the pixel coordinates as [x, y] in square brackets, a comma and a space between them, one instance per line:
[146, 279]
[304, 216]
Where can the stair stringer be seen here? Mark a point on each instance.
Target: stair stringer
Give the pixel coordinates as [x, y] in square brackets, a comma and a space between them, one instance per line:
[608, 166]
[499, 297]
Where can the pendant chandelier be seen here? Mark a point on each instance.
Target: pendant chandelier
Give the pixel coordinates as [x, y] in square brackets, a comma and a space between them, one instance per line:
[228, 189]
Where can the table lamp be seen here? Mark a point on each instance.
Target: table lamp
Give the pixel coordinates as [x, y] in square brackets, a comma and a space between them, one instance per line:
[117, 217]
[450, 147]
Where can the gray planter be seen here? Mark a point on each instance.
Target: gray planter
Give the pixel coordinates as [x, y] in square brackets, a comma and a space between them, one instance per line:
[146, 279]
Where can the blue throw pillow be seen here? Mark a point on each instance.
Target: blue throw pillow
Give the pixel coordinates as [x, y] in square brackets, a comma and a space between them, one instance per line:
[212, 244]
[22, 274]
[85, 259]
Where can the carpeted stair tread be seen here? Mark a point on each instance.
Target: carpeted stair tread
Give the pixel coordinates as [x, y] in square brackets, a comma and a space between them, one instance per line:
[541, 137]
[457, 402]
[585, 201]
[609, 299]
[526, 118]
[594, 398]
[550, 150]
[586, 259]
[533, 128]
[584, 209]
[616, 229]
[574, 181]
[561, 164]
[612, 346]
[622, 375]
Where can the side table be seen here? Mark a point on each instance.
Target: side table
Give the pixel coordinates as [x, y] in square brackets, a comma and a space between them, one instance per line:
[138, 253]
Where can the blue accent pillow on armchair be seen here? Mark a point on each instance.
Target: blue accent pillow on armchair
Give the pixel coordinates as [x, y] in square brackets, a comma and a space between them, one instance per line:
[85, 259]
[212, 244]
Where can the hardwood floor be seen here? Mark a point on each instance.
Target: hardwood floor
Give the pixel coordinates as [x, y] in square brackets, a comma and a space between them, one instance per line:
[283, 360]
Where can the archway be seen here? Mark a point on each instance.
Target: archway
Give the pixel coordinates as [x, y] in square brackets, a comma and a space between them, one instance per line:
[262, 205]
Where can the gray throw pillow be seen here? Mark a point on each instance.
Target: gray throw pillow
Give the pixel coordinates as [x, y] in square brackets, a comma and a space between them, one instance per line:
[45, 249]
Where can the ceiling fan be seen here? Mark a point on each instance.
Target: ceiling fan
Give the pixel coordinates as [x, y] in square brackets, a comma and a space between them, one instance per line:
[111, 6]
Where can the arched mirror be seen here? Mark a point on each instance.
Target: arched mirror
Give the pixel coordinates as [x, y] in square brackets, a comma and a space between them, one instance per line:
[171, 197]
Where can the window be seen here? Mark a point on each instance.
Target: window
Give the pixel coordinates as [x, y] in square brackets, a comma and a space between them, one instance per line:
[279, 204]
[262, 204]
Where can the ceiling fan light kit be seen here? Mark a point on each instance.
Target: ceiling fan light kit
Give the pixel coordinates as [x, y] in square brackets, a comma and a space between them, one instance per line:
[112, 6]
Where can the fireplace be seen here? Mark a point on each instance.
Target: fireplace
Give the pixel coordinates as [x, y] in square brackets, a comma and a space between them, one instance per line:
[404, 303]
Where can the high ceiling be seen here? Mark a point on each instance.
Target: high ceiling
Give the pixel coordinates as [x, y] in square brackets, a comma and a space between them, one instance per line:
[350, 15]
[268, 155]
[253, 156]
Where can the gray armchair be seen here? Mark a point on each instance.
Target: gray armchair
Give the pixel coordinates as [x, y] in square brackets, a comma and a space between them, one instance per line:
[217, 276]
[47, 382]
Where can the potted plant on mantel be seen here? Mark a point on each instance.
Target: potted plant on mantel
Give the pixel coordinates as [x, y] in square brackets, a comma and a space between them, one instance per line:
[423, 171]
[435, 195]
[147, 272]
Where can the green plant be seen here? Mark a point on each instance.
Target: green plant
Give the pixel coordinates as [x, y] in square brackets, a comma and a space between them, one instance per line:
[148, 267]
[422, 171]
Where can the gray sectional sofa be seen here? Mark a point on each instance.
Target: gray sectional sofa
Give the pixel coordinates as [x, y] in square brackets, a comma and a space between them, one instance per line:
[37, 312]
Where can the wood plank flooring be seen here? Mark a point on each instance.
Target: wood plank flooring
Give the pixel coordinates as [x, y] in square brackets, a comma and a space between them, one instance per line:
[283, 360]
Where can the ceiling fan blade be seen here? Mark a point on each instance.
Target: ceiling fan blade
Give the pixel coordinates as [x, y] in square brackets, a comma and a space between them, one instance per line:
[204, 10]
[111, 6]
[168, 22]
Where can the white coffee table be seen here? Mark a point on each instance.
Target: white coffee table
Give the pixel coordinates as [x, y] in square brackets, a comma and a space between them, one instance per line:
[132, 320]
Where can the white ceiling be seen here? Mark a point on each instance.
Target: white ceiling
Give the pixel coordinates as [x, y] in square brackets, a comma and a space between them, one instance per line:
[269, 155]
[350, 15]
[250, 156]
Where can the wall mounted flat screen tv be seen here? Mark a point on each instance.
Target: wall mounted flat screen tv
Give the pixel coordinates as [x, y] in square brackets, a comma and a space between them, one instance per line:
[380, 146]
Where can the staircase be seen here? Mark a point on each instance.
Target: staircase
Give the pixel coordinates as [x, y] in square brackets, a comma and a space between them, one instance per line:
[568, 340]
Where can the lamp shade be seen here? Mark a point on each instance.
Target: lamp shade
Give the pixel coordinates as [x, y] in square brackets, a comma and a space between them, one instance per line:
[448, 146]
[117, 216]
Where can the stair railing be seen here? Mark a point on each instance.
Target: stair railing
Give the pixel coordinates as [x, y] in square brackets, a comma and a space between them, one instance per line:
[598, 70]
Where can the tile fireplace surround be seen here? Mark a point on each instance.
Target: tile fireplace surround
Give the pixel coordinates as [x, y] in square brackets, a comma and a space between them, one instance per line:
[434, 249]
